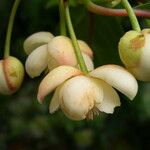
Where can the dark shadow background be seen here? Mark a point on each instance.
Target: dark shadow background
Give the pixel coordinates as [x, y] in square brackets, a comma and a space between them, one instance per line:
[27, 125]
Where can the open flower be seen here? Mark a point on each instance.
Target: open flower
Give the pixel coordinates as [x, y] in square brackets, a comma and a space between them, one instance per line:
[46, 51]
[134, 50]
[81, 96]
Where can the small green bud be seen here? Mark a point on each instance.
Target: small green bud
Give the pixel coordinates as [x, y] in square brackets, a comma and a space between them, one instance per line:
[11, 75]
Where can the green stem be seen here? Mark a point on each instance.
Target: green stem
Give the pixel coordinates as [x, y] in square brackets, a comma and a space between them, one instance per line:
[79, 56]
[62, 18]
[10, 27]
[132, 16]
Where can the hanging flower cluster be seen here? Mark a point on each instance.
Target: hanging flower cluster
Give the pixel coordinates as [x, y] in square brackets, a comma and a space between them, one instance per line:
[80, 91]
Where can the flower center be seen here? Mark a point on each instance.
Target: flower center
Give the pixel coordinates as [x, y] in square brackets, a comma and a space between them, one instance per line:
[94, 111]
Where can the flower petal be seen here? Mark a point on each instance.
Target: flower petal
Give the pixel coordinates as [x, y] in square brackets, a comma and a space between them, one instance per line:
[110, 97]
[61, 49]
[36, 40]
[85, 48]
[78, 97]
[54, 104]
[4, 89]
[117, 77]
[52, 63]
[54, 79]
[142, 71]
[36, 62]
[88, 61]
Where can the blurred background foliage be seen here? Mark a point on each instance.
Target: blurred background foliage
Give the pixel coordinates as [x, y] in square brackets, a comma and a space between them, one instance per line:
[27, 125]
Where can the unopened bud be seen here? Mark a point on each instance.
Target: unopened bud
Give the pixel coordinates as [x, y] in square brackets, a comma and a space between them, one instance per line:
[134, 50]
[11, 75]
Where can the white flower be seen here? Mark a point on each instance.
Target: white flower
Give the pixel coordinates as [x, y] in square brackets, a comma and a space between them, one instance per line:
[46, 51]
[134, 50]
[81, 96]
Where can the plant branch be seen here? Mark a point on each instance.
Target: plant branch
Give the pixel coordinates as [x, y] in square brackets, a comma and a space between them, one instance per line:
[114, 12]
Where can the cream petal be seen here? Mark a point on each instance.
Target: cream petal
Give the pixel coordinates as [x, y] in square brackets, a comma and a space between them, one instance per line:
[35, 40]
[142, 72]
[52, 63]
[54, 78]
[4, 89]
[110, 97]
[61, 49]
[36, 62]
[78, 97]
[85, 48]
[117, 77]
[54, 104]
[88, 61]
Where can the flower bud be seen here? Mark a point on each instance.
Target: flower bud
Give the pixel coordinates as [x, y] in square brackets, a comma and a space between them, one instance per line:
[134, 50]
[11, 75]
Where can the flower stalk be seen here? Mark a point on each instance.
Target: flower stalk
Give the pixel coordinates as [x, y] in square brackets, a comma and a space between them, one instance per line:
[132, 16]
[10, 27]
[78, 53]
[62, 18]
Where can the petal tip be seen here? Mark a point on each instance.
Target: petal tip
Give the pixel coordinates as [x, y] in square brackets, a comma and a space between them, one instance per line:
[40, 98]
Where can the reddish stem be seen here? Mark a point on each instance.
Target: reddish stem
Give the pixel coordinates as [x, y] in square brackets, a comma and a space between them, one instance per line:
[115, 12]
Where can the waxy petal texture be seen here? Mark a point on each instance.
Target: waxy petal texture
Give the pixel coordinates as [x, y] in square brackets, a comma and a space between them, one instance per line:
[37, 61]
[60, 48]
[55, 101]
[117, 77]
[85, 48]
[36, 40]
[110, 98]
[78, 97]
[62, 52]
[54, 78]
[88, 61]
